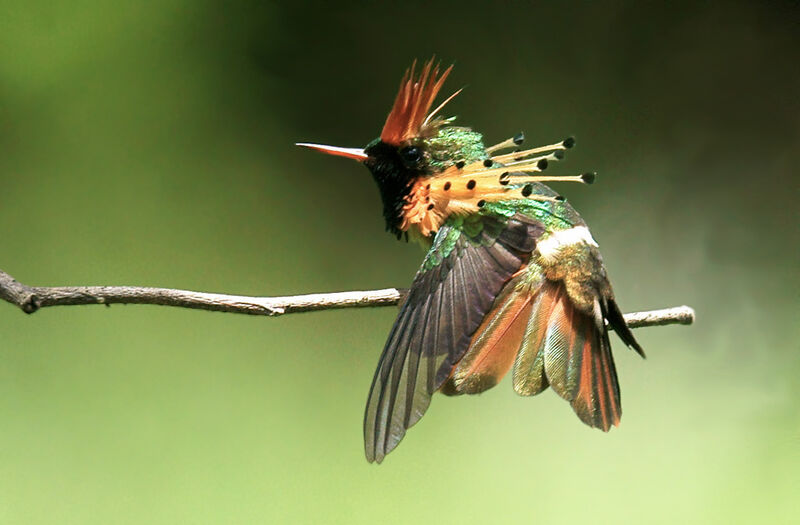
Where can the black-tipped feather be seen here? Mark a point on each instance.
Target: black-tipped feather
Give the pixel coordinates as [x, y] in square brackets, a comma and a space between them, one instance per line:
[617, 322]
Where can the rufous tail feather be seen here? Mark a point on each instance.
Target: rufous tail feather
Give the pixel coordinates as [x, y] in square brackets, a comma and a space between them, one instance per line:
[569, 350]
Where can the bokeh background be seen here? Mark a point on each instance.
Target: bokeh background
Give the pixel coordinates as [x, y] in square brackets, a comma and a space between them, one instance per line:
[152, 144]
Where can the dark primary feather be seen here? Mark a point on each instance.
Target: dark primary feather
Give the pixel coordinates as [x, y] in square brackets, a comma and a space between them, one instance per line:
[448, 299]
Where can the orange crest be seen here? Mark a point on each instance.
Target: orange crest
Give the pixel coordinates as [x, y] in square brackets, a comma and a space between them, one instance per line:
[415, 98]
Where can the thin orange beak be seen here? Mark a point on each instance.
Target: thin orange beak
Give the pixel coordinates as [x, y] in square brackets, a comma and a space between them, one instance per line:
[351, 153]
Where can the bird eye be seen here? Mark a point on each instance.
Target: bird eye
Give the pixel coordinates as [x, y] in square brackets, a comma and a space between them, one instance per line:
[411, 155]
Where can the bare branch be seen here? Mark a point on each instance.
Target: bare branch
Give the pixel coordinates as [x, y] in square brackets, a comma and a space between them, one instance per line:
[31, 298]
[675, 315]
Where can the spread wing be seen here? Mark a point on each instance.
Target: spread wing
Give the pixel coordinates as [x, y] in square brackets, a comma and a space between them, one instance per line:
[469, 262]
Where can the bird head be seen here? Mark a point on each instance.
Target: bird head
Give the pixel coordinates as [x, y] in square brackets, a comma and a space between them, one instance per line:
[415, 141]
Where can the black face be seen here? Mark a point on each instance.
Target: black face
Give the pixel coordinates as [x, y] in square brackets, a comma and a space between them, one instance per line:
[395, 170]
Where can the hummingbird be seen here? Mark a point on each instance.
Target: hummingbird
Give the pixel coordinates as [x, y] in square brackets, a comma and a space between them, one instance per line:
[512, 279]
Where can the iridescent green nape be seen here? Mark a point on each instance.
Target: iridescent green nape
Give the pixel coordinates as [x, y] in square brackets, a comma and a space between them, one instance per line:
[453, 144]
[554, 215]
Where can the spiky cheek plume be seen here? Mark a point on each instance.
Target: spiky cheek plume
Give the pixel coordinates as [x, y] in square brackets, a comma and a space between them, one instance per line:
[465, 188]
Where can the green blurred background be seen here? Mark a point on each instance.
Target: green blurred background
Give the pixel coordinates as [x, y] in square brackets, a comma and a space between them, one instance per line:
[151, 144]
